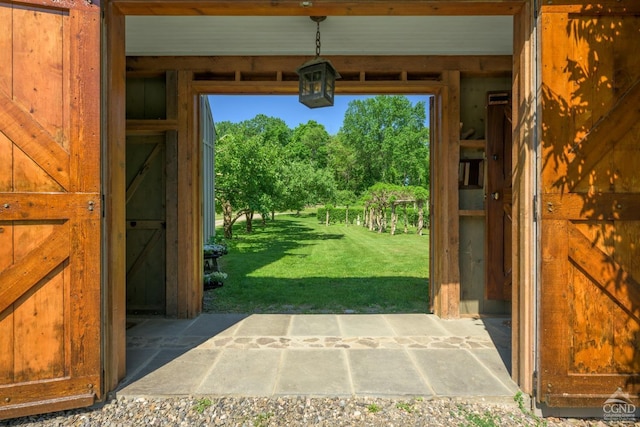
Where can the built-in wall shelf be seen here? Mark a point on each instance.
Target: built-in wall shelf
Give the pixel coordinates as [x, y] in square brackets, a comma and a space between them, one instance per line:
[472, 143]
[470, 212]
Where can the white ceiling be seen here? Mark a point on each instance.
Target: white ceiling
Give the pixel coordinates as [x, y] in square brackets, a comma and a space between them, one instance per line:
[295, 35]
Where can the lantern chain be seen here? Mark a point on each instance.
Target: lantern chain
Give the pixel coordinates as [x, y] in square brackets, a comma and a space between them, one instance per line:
[318, 39]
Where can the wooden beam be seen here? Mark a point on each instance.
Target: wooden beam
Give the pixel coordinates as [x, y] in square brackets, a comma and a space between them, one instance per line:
[599, 8]
[37, 263]
[600, 207]
[411, 64]
[524, 243]
[189, 233]
[150, 127]
[445, 236]
[291, 88]
[451, 308]
[48, 206]
[605, 272]
[604, 135]
[29, 135]
[319, 7]
[142, 172]
[172, 280]
[114, 190]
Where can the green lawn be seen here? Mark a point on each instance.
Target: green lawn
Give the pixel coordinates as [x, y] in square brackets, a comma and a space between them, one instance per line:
[294, 264]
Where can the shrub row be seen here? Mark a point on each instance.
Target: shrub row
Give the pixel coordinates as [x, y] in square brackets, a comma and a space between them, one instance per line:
[338, 215]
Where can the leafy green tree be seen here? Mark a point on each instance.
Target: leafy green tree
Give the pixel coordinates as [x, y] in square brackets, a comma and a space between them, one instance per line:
[247, 172]
[271, 129]
[389, 140]
[309, 143]
[343, 162]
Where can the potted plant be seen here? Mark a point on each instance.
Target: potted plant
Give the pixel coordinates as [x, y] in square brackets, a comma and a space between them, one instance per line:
[214, 279]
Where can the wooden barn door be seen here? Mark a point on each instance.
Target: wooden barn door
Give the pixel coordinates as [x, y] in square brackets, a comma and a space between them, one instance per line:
[590, 203]
[50, 357]
[498, 220]
[146, 224]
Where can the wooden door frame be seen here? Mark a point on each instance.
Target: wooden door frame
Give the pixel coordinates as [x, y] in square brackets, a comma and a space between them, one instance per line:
[446, 272]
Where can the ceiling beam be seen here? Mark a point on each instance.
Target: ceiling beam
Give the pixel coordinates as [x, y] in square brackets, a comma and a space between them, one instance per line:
[342, 88]
[472, 64]
[319, 7]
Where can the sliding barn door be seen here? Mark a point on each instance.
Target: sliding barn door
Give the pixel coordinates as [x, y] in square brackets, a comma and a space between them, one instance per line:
[590, 203]
[49, 206]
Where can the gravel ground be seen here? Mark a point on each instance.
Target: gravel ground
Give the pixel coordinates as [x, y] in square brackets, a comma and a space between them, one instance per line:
[297, 411]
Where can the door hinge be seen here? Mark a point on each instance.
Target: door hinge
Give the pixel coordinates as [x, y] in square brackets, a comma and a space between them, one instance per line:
[534, 386]
[102, 205]
[535, 208]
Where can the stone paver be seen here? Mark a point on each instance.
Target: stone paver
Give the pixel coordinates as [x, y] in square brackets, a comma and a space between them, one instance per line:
[264, 325]
[320, 355]
[180, 376]
[384, 372]
[315, 325]
[314, 373]
[456, 372]
[240, 372]
[365, 325]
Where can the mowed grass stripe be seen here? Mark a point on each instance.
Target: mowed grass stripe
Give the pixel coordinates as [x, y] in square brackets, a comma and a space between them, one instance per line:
[295, 264]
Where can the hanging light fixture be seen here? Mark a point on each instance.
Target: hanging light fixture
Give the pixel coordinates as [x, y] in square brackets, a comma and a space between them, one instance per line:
[317, 77]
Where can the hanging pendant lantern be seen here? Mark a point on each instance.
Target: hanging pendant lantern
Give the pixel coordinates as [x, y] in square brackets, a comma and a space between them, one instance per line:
[317, 77]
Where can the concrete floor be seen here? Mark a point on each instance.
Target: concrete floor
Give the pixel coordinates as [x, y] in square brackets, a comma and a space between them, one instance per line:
[382, 355]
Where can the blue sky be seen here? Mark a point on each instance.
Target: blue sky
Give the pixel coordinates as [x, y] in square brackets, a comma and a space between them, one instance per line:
[236, 108]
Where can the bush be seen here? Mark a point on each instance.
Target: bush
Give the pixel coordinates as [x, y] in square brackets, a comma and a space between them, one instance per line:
[338, 215]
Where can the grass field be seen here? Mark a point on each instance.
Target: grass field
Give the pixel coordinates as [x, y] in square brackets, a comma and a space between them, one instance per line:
[295, 265]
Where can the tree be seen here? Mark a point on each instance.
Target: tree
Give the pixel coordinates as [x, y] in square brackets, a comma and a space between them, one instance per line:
[271, 129]
[389, 140]
[342, 161]
[247, 171]
[309, 144]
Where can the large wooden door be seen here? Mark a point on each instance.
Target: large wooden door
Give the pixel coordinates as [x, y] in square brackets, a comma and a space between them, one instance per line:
[50, 208]
[498, 215]
[590, 203]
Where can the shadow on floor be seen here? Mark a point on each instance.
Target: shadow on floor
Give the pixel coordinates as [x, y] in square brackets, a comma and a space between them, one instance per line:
[383, 355]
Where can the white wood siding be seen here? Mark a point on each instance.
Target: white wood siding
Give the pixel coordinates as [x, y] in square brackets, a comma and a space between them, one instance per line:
[208, 133]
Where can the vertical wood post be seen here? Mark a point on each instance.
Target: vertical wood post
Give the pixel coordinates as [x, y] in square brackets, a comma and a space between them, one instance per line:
[524, 186]
[189, 189]
[446, 236]
[114, 191]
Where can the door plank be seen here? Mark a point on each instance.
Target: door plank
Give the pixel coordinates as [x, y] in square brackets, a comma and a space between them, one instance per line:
[58, 390]
[34, 140]
[604, 135]
[142, 172]
[596, 207]
[56, 206]
[606, 273]
[36, 265]
[142, 256]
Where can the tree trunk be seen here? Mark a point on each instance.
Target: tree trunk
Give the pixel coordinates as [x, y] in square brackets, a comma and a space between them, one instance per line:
[326, 220]
[420, 218]
[273, 215]
[249, 216]
[227, 223]
[346, 219]
[394, 219]
[406, 220]
[373, 219]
